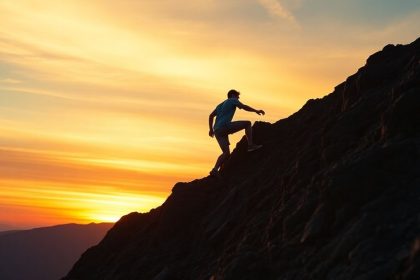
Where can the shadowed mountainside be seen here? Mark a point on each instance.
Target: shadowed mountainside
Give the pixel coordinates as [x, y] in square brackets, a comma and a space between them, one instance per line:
[334, 194]
[46, 253]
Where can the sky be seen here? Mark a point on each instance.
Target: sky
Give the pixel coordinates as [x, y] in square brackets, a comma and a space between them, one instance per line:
[104, 105]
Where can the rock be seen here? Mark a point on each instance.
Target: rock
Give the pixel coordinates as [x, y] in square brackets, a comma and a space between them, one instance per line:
[334, 194]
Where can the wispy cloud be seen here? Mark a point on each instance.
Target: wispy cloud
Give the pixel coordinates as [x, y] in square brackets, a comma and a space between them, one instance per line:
[96, 95]
[275, 8]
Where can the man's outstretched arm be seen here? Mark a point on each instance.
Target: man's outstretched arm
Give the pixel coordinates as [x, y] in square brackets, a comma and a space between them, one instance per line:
[211, 118]
[250, 109]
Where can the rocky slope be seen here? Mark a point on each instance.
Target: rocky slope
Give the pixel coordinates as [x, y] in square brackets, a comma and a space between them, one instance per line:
[46, 253]
[334, 194]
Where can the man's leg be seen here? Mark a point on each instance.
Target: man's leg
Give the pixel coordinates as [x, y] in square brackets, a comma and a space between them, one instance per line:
[239, 125]
[248, 134]
[221, 159]
[223, 141]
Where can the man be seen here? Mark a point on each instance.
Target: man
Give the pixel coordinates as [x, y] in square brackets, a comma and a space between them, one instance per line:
[224, 126]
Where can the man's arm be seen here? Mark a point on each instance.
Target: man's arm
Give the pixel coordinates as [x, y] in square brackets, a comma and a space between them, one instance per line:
[250, 109]
[211, 118]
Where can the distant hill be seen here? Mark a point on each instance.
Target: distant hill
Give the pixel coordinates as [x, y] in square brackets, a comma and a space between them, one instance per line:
[46, 253]
[334, 194]
[8, 232]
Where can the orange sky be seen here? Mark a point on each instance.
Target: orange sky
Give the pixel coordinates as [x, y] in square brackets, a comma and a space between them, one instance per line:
[104, 105]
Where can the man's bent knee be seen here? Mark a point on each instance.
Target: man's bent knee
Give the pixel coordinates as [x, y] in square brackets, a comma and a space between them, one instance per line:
[245, 124]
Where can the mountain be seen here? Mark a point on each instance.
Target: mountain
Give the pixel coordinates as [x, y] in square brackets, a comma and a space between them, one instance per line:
[8, 232]
[333, 194]
[46, 253]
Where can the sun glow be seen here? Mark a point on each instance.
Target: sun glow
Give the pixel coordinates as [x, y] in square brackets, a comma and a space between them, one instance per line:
[54, 201]
[104, 106]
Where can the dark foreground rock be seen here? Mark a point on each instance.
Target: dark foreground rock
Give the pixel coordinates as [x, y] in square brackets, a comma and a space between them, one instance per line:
[334, 194]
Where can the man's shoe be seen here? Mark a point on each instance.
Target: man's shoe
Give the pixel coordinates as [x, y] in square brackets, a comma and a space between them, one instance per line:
[254, 147]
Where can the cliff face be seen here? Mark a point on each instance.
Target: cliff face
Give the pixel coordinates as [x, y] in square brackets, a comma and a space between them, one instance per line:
[334, 194]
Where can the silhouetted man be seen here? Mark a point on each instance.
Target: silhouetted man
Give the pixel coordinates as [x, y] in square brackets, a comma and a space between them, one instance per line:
[224, 126]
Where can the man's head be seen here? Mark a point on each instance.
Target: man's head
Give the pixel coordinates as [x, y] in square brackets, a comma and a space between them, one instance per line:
[233, 93]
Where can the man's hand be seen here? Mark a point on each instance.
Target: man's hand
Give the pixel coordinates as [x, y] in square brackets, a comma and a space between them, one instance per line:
[260, 112]
[211, 133]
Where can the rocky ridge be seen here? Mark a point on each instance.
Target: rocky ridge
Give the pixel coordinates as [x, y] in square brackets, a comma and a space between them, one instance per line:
[334, 194]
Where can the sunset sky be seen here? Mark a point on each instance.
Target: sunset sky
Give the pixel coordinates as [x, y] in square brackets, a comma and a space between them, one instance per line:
[104, 104]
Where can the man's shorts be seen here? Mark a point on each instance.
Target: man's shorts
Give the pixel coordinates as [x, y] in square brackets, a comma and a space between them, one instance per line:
[229, 128]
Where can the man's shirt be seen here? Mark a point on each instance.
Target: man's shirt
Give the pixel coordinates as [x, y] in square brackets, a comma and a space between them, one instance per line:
[225, 112]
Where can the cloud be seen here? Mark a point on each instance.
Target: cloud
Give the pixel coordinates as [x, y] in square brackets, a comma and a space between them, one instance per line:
[275, 8]
[10, 81]
[95, 94]
[35, 166]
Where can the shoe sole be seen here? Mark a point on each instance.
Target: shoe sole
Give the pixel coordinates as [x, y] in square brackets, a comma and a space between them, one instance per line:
[257, 148]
